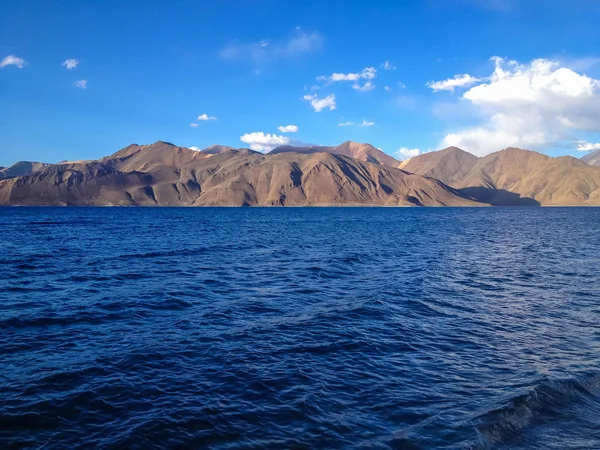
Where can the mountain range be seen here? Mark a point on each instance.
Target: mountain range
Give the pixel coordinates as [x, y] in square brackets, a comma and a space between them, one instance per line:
[349, 174]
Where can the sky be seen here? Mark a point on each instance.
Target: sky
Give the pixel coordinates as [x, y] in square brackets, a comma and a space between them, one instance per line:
[80, 79]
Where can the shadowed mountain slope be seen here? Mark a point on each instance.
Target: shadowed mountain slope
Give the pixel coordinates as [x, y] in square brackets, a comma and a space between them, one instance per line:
[21, 168]
[593, 159]
[448, 165]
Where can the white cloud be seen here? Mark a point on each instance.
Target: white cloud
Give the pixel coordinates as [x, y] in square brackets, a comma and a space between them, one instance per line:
[206, 117]
[193, 147]
[387, 88]
[368, 86]
[300, 42]
[388, 66]
[264, 142]
[367, 124]
[81, 84]
[367, 73]
[70, 64]
[12, 60]
[529, 105]
[288, 128]
[193, 125]
[405, 153]
[583, 146]
[345, 124]
[319, 104]
[401, 84]
[453, 83]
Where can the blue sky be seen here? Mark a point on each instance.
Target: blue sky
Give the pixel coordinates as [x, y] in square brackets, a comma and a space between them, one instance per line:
[147, 70]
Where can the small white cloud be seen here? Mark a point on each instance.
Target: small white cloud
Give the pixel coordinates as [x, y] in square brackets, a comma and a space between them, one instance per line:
[193, 147]
[70, 64]
[367, 73]
[453, 83]
[367, 124]
[388, 66]
[368, 86]
[288, 128]
[319, 104]
[405, 153]
[193, 125]
[345, 124]
[81, 84]
[583, 146]
[264, 142]
[401, 84]
[206, 117]
[387, 88]
[12, 60]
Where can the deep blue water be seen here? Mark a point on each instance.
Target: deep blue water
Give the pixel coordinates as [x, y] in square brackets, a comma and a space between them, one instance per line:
[299, 328]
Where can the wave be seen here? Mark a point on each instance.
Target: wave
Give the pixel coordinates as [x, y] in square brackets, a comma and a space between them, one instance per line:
[549, 402]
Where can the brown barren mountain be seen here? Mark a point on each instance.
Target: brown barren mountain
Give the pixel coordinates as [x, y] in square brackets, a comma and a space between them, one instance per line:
[521, 177]
[448, 165]
[593, 159]
[164, 174]
[21, 168]
[362, 152]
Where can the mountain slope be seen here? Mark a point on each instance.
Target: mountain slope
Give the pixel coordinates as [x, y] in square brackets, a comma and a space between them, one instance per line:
[362, 152]
[164, 174]
[21, 168]
[448, 165]
[593, 159]
[515, 176]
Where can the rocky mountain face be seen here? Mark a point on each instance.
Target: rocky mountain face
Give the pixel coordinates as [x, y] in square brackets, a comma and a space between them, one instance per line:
[362, 152]
[21, 168]
[513, 177]
[164, 174]
[593, 159]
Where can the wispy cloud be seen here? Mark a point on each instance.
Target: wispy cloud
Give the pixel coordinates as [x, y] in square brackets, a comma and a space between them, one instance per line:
[452, 83]
[387, 88]
[367, 73]
[288, 128]
[81, 84]
[345, 124]
[194, 125]
[264, 142]
[299, 43]
[366, 123]
[206, 117]
[70, 63]
[319, 104]
[12, 60]
[368, 86]
[388, 66]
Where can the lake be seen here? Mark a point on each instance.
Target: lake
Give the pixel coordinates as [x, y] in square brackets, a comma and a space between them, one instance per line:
[300, 328]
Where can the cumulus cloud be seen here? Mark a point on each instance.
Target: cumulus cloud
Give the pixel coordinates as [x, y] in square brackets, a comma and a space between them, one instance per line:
[264, 142]
[367, 73]
[388, 66]
[12, 60]
[406, 153]
[288, 128]
[300, 42]
[193, 147]
[193, 125]
[319, 104]
[452, 83]
[206, 117]
[529, 105]
[345, 124]
[81, 84]
[368, 86]
[583, 146]
[70, 64]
